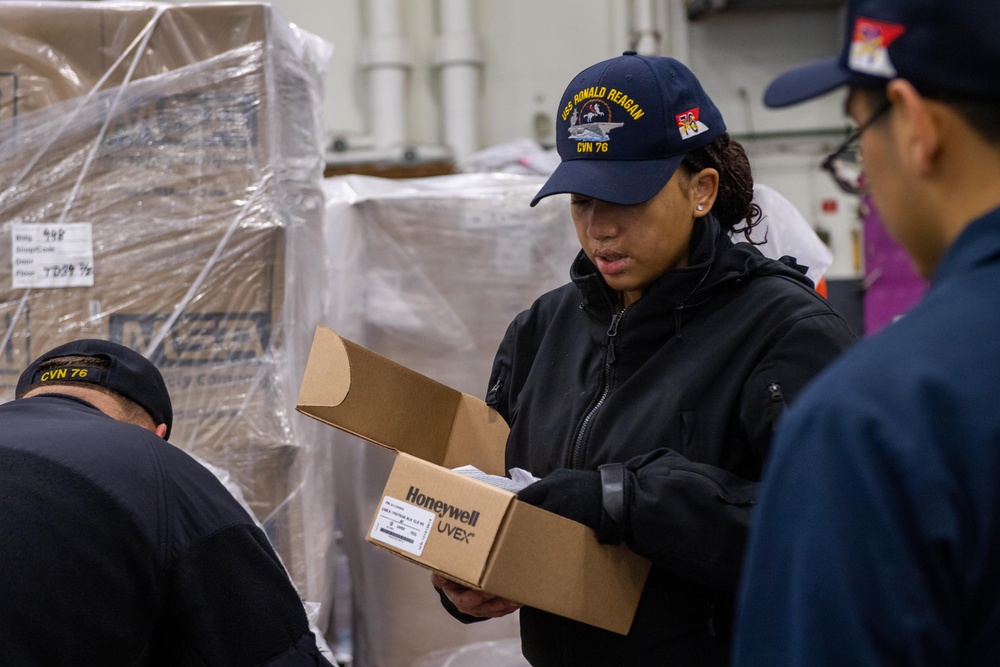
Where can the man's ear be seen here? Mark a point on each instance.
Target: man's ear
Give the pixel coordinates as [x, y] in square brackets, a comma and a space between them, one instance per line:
[919, 127]
[704, 188]
[161, 430]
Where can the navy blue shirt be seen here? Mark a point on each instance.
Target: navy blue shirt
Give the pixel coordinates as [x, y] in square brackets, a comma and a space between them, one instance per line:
[117, 548]
[877, 536]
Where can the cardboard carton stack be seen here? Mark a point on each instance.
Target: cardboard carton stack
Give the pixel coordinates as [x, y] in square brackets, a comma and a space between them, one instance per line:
[158, 167]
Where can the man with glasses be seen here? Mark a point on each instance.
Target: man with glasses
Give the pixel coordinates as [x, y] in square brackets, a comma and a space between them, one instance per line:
[844, 164]
[876, 539]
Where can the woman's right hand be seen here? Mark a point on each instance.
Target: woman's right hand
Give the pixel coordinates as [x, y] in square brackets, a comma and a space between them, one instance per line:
[474, 603]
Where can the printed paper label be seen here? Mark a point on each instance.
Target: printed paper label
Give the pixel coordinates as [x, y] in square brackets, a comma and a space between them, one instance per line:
[56, 255]
[402, 525]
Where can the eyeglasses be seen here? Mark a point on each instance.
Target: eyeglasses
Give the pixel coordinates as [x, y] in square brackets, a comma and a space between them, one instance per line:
[844, 164]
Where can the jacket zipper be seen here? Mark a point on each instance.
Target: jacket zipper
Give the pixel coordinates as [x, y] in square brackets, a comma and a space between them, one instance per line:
[491, 395]
[609, 359]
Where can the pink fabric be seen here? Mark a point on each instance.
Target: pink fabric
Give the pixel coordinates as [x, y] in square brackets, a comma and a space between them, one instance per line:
[893, 285]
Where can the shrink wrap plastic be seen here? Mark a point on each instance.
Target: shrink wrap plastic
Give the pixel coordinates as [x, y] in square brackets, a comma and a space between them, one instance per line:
[160, 166]
[428, 272]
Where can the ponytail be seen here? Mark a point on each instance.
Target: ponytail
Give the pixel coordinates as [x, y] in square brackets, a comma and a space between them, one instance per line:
[734, 202]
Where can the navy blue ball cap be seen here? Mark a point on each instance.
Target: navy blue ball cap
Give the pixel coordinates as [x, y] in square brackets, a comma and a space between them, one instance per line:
[625, 124]
[806, 82]
[129, 374]
[940, 46]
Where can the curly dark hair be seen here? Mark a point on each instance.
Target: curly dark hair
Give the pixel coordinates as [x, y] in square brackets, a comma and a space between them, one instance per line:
[734, 203]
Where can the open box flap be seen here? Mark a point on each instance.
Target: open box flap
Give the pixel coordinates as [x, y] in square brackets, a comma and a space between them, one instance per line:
[359, 391]
[478, 437]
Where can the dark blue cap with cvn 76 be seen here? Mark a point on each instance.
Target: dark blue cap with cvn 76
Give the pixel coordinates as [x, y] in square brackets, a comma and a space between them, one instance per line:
[940, 46]
[129, 374]
[625, 124]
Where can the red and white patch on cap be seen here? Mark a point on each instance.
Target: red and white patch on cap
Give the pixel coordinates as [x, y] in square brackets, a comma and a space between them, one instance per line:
[689, 125]
[870, 47]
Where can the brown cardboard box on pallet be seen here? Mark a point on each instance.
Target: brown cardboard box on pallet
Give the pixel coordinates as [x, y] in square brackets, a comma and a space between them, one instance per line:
[187, 141]
[477, 534]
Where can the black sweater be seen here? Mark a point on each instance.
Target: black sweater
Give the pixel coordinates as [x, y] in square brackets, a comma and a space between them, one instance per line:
[117, 548]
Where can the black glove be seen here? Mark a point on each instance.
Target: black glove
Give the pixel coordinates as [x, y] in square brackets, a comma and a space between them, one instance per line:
[599, 500]
[574, 494]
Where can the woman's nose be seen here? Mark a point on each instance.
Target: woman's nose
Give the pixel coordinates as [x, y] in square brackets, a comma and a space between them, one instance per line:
[602, 222]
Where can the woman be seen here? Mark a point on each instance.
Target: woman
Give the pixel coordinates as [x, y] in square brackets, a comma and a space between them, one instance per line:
[645, 392]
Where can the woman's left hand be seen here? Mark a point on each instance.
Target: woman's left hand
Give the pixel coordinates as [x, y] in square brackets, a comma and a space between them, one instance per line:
[472, 602]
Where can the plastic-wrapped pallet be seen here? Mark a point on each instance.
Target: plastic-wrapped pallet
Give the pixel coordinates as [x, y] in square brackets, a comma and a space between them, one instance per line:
[159, 168]
[428, 272]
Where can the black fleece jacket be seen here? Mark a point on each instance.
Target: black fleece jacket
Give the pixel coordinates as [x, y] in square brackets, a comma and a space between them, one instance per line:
[684, 388]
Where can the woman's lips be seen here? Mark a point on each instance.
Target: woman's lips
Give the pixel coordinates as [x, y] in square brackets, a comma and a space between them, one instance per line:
[611, 263]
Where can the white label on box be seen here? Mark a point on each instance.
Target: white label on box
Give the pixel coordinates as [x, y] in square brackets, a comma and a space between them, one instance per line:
[402, 525]
[56, 255]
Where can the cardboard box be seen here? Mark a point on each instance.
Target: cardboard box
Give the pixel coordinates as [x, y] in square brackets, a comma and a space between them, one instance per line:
[471, 532]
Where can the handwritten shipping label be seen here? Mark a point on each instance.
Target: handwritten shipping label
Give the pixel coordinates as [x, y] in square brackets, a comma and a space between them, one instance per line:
[52, 255]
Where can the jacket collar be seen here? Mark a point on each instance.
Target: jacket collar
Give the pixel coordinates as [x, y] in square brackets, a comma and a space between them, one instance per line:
[714, 261]
[979, 243]
[672, 287]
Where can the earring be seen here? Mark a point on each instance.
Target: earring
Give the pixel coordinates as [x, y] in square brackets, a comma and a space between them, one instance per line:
[700, 207]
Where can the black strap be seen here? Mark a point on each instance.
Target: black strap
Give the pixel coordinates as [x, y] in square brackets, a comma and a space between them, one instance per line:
[613, 490]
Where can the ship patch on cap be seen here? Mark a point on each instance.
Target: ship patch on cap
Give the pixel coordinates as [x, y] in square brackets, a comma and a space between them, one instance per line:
[596, 124]
[689, 123]
[869, 52]
[590, 113]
